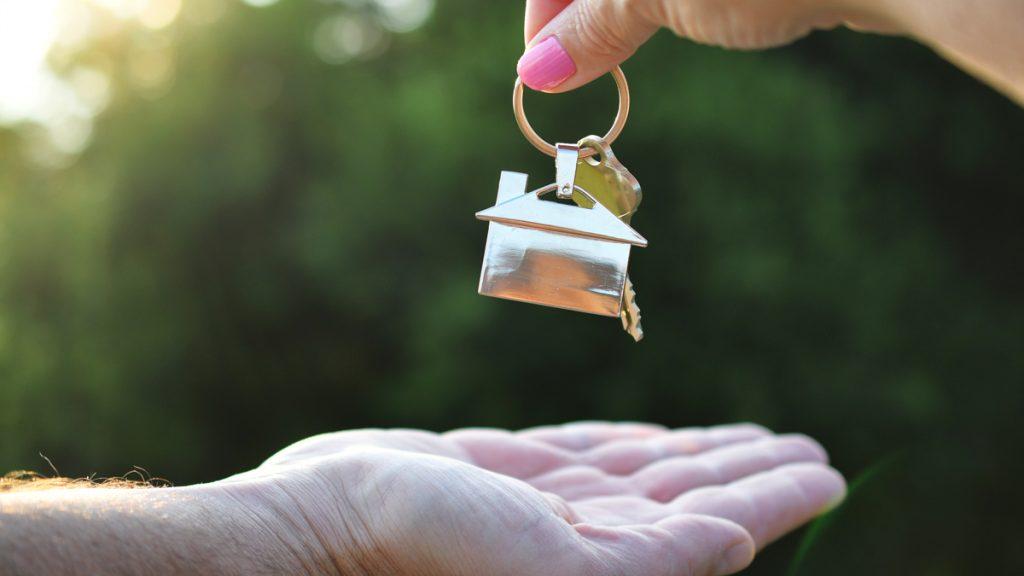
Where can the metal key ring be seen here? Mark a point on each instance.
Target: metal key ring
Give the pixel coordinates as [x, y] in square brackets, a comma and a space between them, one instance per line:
[549, 148]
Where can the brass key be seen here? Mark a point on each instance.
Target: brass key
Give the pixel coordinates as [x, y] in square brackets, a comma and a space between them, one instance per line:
[611, 184]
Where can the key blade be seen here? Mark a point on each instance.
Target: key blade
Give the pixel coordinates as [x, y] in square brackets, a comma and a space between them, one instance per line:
[612, 185]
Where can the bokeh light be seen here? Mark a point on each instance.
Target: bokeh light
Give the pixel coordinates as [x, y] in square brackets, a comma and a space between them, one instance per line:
[27, 30]
[53, 100]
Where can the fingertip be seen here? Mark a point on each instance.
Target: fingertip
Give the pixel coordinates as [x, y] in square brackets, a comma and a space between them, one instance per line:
[594, 36]
[822, 485]
[545, 65]
[805, 445]
[839, 489]
[736, 558]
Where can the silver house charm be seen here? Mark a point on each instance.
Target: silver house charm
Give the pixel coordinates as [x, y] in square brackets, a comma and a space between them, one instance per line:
[555, 254]
[571, 254]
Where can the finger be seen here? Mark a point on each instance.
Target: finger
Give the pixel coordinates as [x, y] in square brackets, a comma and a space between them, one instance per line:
[539, 13]
[637, 499]
[582, 482]
[666, 479]
[770, 504]
[585, 40]
[506, 453]
[620, 510]
[625, 457]
[580, 436]
[521, 456]
[600, 473]
[682, 545]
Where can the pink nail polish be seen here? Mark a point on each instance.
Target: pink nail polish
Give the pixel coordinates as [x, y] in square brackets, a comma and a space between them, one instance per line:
[546, 65]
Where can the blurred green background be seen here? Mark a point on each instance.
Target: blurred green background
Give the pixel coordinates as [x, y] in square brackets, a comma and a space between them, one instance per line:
[261, 227]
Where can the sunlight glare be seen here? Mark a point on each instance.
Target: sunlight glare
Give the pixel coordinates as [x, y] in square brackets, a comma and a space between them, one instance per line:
[159, 13]
[27, 29]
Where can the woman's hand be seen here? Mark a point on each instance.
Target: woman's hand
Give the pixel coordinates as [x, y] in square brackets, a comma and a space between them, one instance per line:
[571, 42]
[587, 498]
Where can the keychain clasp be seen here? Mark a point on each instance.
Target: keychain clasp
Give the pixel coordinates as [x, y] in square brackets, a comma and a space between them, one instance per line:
[567, 155]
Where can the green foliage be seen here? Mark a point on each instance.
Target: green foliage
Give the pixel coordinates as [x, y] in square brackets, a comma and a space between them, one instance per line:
[815, 530]
[274, 246]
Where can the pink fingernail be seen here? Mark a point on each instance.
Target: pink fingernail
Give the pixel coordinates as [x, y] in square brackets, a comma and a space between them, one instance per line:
[546, 65]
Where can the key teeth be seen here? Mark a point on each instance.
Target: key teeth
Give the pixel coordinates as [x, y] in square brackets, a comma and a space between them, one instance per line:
[630, 315]
[637, 331]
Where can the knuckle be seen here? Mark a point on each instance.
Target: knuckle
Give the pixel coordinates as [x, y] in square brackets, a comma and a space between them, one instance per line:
[602, 28]
[670, 14]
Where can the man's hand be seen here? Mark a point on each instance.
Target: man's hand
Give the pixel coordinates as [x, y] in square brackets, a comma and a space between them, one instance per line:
[581, 499]
[586, 498]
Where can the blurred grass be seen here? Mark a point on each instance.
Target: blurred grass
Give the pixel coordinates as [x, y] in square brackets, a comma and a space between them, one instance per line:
[816, 529]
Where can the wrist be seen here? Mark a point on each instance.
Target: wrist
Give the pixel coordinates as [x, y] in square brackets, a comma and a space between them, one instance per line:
[193, 529]
[309, 518]
[262, 538]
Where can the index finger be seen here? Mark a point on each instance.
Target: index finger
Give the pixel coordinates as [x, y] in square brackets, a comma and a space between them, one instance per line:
[539, 13]
[580, 436]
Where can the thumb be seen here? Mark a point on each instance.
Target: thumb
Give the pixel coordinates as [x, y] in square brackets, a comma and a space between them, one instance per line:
[583, 41]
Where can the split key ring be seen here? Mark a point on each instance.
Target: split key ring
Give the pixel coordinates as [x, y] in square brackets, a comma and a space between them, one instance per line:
[549, 148]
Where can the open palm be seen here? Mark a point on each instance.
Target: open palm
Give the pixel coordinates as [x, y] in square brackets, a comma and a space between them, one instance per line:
[585, 498]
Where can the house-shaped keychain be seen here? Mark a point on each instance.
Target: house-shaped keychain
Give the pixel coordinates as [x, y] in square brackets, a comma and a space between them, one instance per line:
[546, 252]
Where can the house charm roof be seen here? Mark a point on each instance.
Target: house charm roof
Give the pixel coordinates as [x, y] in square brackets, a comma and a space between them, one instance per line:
[530, 211]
